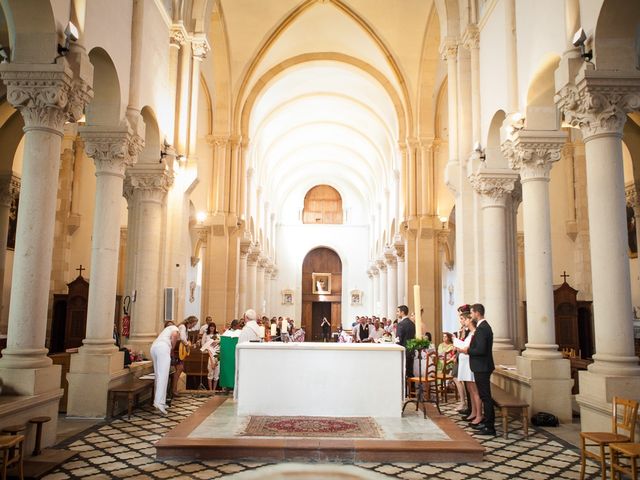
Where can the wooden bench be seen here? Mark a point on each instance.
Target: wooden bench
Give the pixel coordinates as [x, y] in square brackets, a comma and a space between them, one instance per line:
[132, 389]
[507, 403]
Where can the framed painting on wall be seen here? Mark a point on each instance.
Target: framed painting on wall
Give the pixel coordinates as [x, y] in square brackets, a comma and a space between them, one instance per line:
[321, 283]
[287, 297]
[356, 297]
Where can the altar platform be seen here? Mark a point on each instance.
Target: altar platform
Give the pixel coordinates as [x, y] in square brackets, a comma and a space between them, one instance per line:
[216, 431]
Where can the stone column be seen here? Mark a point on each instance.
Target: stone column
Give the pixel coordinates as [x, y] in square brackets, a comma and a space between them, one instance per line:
[260, 287]
[392, 282]
[598, 102]
[91, 371]
[532, 154]
[401, 272]
[267, 289]
[9, 191]
[598, 105]
[245, 246]
[376, 289]
[384, 288]
[47, 96]
[252, 262]
[146, 189]
[495, 186]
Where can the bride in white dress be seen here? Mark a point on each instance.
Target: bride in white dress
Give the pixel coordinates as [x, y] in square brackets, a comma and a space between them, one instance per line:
[466, 375]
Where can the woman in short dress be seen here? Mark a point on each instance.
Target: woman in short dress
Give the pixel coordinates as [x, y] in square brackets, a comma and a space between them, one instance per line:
[466, 375]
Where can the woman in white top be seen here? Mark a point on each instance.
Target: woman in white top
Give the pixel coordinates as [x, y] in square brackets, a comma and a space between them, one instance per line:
[161, 350]
[466, 375]
[183, 329]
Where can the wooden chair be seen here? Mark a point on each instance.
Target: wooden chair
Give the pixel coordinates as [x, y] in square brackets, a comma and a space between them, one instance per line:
[627, 411]
[629, 450]
[429, 380]
[444, 377]
[12, 453]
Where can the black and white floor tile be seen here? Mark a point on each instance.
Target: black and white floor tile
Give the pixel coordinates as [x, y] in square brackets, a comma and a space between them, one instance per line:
[123, 448]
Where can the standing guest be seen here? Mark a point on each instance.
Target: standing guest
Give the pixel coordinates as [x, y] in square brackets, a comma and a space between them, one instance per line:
[481, 362]
[376, 331]
[251, 330]
[361, 331]
[205, 327]
[326, 329]
[466, 375]
[161, 350]
[233, 330]
[183, 328]
[406, 331]
[211, 346]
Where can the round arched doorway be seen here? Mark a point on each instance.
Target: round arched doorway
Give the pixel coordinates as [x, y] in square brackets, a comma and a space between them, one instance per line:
[321, 291]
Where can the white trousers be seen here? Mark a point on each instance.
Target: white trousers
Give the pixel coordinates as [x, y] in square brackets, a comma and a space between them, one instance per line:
[161, 356]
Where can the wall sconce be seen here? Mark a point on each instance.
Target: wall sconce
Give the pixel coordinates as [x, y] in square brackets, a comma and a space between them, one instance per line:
[479, 151]
[71, 34]
[579, 40]
[443, 221]
[201, 217]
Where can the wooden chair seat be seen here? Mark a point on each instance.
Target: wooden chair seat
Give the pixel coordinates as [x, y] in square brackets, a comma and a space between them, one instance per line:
[11, 447]
[624, 416]
[628, 450]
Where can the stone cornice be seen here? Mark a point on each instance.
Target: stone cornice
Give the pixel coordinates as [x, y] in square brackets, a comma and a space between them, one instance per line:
[532, 153]
[112, 149]
[9, 189]
[598, 102]
[47, 96]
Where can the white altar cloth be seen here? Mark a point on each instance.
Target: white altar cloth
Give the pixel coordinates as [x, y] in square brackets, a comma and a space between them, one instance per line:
[320, 379]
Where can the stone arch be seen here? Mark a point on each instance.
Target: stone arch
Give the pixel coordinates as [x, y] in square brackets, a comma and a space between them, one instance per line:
[204, 88]
[31, 30]
[240, 106]
[152, 145]
[449, 16]
[278, 69]
[104, 108]
[222, 79]
[10, 136]
[541, 112]
[616, 43]
[428, 69]
[493, 152]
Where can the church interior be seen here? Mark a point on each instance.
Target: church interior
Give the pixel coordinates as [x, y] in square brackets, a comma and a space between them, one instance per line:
[312, 159]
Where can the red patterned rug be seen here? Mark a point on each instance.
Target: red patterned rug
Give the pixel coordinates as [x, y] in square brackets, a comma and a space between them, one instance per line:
[339, 427]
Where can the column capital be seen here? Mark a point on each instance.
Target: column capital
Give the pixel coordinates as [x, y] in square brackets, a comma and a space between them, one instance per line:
[253, 255]
[149, 183]
[177, 35]
[398, 244]
[245, 244]
[9, 189]
[112, 149]
[471, 37]
[47, 96]
[598, 101]
[202, 233]
[494, 186]
[382, 267]
[449, 49]
[374, 269]
[390, 257]
[533, 153]
[200, 46]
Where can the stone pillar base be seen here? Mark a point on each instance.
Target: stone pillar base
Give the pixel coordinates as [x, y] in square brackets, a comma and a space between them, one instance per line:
[505, 357]
[596, 395]
[30, 381]
[90, 378]
[544, 384]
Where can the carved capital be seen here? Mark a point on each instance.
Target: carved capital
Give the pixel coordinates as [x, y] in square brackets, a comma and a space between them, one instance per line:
[200, 47]
[177, 35]
[390, 258]
[9, 189]
[202, 233]
[382, 267]
[533, 153]
[253, 256]
[471, 37]
[47, 97]
[449, 49]
[494, 186]
[374, 269]
[112, 150]
[598, 102]
[147, 184]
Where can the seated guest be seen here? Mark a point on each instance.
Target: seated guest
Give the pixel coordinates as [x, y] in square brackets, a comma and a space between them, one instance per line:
[204, 328]
[445, 352]
[375, 331]
[344, 337]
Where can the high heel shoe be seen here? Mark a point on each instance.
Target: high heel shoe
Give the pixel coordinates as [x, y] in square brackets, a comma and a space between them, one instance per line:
[162, 408]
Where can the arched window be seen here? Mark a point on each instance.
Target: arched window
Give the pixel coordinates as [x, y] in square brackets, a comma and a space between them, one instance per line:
[322, 204]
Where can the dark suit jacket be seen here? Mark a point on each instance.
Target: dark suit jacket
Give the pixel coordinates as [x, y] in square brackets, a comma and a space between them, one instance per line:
[480, 355]
[406, 331]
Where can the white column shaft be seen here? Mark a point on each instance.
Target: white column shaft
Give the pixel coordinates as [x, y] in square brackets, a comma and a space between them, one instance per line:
[376, 293]
[259, 304]
[242, 285]
[251, 285]
[402, 285]
[392, 288]
[384, 291]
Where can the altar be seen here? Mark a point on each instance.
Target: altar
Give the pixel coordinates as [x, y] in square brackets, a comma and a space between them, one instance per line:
[320, 379]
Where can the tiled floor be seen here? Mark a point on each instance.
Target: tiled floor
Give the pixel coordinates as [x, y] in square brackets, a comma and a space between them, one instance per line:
[124, 448]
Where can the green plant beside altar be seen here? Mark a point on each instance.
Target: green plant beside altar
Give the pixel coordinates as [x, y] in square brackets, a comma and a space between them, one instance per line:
[417, 344]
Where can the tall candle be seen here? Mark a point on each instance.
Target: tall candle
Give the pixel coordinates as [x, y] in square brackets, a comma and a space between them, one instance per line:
[261, 328]
[417, 308]
[273, 329]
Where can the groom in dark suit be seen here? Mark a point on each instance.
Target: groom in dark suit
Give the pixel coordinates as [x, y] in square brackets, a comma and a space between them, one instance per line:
[481, 363]
[406, 331]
